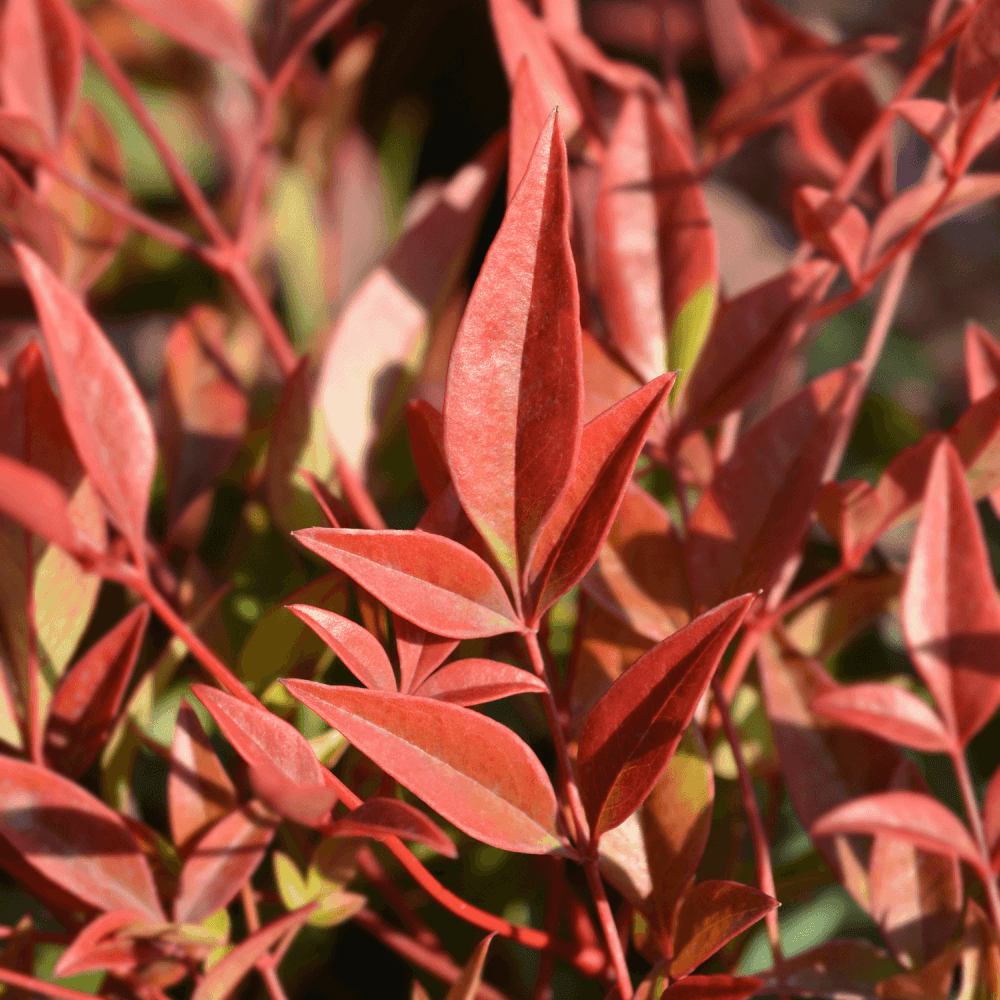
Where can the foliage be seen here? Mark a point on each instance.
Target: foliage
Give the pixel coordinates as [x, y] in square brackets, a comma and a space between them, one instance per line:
[400, 582]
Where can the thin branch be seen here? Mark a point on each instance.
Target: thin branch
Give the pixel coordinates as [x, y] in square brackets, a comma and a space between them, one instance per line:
[610, 928]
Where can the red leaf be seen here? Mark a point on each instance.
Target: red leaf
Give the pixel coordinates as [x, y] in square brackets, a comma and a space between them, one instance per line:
[205, 26]
[912, 816]
[74, 840]
[27, 218]
[513, 410]
[476, 681]
[977, 63]
[572, 537]
[104, 410]
[633, 731]
[887, 711]
[655, 244]
[39, 503]
[430, 580]
[284, 770]
[98, 947]
[949, 605]
[199, 792]
[711, 914]
[991, 816]
[466, 986]
[225, 856]
[748, 340]
[527, 119]
[420, 653]
[769, 95]
[226, 974]
[834, 227]
[383, 817]
[359, 650]
[426, 427]
[43, 64]
[472, 770]
[982, 361]
[711, 988]
[86, 703]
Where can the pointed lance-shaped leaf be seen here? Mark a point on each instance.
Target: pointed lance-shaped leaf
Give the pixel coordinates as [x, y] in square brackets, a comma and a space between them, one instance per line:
[86, 703]
[835, 227]
[912, 816]
[982, 361]
[426, 427]
[572, 537]
[466, 987]
[104, 410]
[434, 582]
[382, 817]
[284, 771]
[473, 771]
[74, 840]
[359, 650]
[657, 268]
[476, 681]
[199, 792]
[221, 861]
[711, 914]
[977, 61]
[949, 607]
[98, 946]
[420, 653]
[220, 981]
[759, 504]
[527, 118]
[207, 27]
[513, 410]
[633, 731]
[719, 987]
[887, 711]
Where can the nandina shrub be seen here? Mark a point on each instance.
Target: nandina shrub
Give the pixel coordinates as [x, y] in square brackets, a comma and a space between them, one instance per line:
[494, 638]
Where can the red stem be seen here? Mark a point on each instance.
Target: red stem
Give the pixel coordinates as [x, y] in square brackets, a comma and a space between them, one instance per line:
[553, 913]
[609, 928]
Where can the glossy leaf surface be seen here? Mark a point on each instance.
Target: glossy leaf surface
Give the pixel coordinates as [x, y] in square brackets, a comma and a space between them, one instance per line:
[383, 817]
[476, 681]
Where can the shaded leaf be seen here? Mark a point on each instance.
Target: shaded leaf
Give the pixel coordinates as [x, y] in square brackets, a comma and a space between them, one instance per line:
[633, 731]
[426, 427]
[719, 987]
[430, 580]
[420, 653]
[476, 681]
[711, 914]
[949, 608]
[381, 817]
[105, 412]
[27, 218]
[473, 771]
[98, 946]
[467, 984]
[222, 859]
[514, 400]
[87, 700]
[834, 968]
[73, 839]
[977, 65]
[982, 361]
[359, 650]
[835, 227]
[284, 771]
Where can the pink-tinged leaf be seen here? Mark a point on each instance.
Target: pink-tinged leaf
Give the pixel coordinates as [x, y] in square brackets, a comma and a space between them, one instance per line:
[359, 650]
[514, 401]
[223, 858]
[655, 246]
[977, 61]
[632, 732]
[949, 608]
[426, 427]
[105, 412]
[206, 26]
[519, 35]
[527, 119]
[284, 771]
[711, 914]
[759, 503]
[766, 97]
[849, 968]
[473, 771]
[383, 817]
[27, 218]
[87, 700]
[748, 340]
[991, 817]
[420, 653]
[887, 711]
[901, 214]
[429, 580]
[74, 840]
[226, 975]
[982, 361]
[199, 792]
[583, 55]
[719, 987]
[912, 816]
[477, 681]
[834, 227]
[934, 121]
[466, 987]
[98, 946]
[379, 331]
[572, 537]
[203, 409]
[37, 502]
[42, 65]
